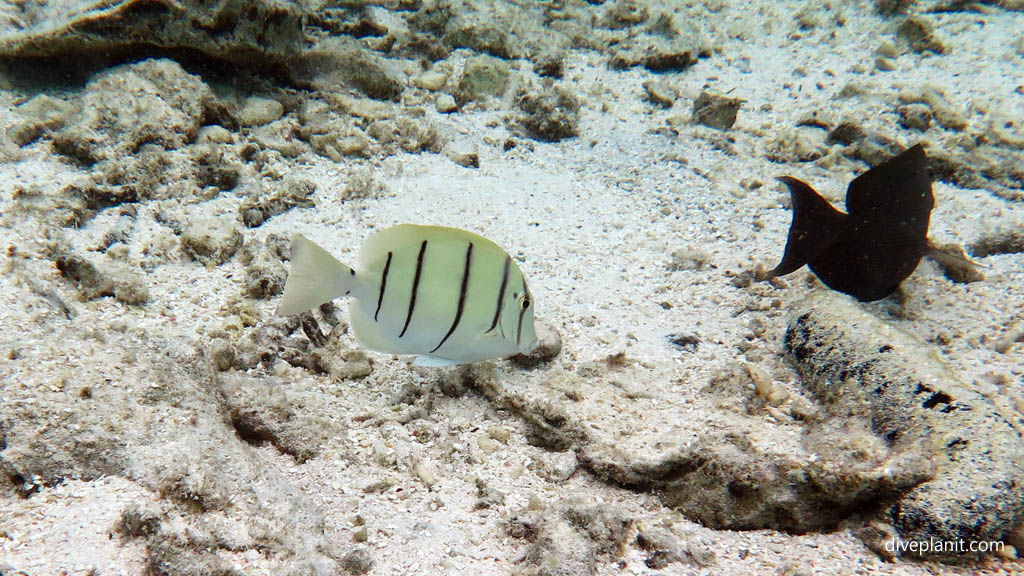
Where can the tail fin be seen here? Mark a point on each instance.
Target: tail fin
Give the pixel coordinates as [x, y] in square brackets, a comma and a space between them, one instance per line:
[315, 277]
[816, 224]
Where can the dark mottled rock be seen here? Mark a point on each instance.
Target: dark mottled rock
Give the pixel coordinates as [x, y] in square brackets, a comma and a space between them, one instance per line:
[550, 115]
[96, 282]
[846, 356]
[357, 562]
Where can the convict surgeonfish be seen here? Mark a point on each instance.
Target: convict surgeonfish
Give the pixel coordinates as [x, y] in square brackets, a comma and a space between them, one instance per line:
[447, 295]
[878, 243]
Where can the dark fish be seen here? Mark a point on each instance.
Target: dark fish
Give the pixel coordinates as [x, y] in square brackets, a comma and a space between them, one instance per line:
[869, 251]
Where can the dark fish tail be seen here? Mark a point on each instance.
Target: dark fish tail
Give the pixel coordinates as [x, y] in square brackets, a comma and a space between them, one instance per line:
[816, 225]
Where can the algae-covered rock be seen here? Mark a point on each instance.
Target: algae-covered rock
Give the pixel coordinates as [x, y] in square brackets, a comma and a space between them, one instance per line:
[849, 358]
[663, 47]
[234, 31]
[342, 61]
[550, 115]
[96, 282]
[39, 115]
[290, 193]
[211, 241]
[481, 77]
[153, 102]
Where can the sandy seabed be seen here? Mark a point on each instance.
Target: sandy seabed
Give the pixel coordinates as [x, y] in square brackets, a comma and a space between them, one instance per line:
[154, 433]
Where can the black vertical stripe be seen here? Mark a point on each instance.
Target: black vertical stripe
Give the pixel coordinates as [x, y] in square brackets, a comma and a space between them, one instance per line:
[501, 293]
[462, 296]
[519, 324]
[383, 284]
[415, 286]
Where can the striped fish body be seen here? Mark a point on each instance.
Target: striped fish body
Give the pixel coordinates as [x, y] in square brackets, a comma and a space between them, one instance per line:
[447, 295]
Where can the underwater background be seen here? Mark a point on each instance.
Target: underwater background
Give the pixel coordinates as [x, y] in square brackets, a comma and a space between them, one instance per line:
[683, 414]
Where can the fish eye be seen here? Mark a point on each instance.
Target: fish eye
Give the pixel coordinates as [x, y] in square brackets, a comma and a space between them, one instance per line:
[524, 302]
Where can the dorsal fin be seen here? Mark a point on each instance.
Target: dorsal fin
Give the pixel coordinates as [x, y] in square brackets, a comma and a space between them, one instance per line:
[897, 190]
[816, 225]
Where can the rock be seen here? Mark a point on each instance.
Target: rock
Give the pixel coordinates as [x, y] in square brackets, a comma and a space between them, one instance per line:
[211, 241]
[715, 111]
[431, 80]
[559, 549]
[660, 92]
[406, 134]
[95, 282]
[445, 104]
[292, 192]
[701, 553]
[1005, 238]
[344, 61]
[481, 77]
[265, 275]
[800, 144]
[919, 36]
[215, 135]
[944, 112]
[977, 493]
[361, 185]
[688, 259]
[884, 64]
[153, 102]
[663, 48]
[915, 116]
[222, 353]
[265, 33]
[550, 115]
[608, 527]
[296, 420]
[40, 114]
[487, 496]
[846, 133]
[549, 347]
[625, 14]
[464, 153]
[257, 111]
[893, 7]
[357, 562]
[558, 467]
[662, 545]
[478, 32]
[215, 170]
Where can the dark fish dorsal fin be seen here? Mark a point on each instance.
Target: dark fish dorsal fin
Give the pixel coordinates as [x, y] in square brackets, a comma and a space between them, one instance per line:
[816, 225]
[897, 190]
